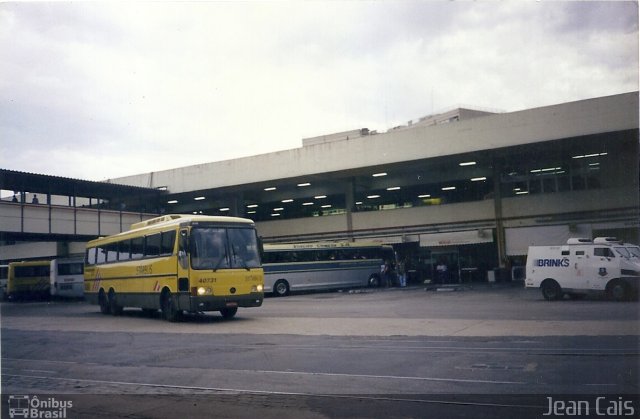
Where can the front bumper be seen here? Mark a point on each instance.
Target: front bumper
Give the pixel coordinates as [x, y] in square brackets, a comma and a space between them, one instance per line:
[192, 303]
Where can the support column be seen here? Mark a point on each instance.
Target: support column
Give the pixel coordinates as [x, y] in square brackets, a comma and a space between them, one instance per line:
[497, 204]
[237, 208]
[349, 199]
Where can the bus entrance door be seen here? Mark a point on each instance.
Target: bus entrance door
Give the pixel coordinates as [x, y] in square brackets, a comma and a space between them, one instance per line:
[183, 261]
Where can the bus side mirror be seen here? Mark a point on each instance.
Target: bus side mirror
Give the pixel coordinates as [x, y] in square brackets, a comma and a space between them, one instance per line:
[261, 248]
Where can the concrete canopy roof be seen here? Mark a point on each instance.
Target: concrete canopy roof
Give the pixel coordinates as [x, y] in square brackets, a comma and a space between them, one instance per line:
[491, 132]
[12, 180]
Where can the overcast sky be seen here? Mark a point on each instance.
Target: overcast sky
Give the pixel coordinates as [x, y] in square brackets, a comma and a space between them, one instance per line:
[96, 90]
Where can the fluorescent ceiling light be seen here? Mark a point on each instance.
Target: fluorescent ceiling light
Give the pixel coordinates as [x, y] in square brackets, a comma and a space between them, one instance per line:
[278, 209]
[320, 196]
[589, 155]
[251, 212]
[478, 179]
[373, 196]
[307, 203]
[424, 196]
[252, 206]
[173, 201]
[304, 184]
[467, 163]
[326, 206]
[199, 198]
[394, 188]
[379, 174]
[224, 209]
[270, 188]
[275, 215]
[286, 201]
[449, 188]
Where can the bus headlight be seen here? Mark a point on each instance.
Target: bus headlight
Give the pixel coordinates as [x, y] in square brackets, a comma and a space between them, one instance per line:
[256, 288]
[202, 291]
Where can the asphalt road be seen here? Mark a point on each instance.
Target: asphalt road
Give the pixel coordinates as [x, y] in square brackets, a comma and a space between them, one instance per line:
[481, 352]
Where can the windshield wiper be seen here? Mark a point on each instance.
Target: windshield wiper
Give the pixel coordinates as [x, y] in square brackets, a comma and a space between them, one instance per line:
[236, 258]
[223, 258]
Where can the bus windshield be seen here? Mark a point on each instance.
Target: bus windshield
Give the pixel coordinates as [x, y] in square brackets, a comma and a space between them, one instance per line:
[224, 248]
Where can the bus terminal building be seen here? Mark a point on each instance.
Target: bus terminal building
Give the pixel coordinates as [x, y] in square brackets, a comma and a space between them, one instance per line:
[469, 188]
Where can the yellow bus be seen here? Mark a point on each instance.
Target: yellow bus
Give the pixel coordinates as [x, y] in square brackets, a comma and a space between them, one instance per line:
[28, 279]
[177, 263]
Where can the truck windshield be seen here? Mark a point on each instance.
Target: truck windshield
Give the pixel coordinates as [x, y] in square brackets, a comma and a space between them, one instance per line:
[623, 251]
[224, 248]
[634, 251]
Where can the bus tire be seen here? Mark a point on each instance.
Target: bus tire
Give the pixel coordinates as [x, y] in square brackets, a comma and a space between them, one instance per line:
[374, 281]
[104, 303]
[114, 307]
[281, 288]
[551, 290]
[617, 290]
[228, 313]
[169, 308]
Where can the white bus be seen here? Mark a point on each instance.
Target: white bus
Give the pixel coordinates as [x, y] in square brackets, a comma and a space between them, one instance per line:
[67, 277]
[323, 265]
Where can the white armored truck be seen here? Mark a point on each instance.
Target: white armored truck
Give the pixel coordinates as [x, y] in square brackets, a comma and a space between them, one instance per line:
[585, 266]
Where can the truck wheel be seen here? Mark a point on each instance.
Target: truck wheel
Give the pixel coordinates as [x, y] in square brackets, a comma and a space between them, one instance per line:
[617, 290]
[551, 290]
[281, 288]
[374, 281]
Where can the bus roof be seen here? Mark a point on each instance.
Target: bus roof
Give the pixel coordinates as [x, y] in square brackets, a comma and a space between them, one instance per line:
[172, 220]
[321, 245]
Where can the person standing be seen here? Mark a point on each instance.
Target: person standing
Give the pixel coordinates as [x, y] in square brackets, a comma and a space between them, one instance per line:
[442, 271]
[402, 272]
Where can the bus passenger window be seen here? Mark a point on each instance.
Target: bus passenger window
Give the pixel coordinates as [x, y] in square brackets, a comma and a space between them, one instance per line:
[124, 250]
[91, 256]
[137, 248]
[152, 245]
[112, 252]
[167, 242]
[102, 255]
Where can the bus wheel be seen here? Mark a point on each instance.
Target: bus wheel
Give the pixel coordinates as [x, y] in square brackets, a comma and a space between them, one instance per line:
[104, 303]
[281, 288]
[617, 290]
[374, 281]
[228, 313]
[115, 309]
[170, 311]
[551, 290]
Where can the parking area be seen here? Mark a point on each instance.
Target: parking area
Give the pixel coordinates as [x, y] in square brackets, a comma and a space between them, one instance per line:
[479, 351]
[478, 310]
